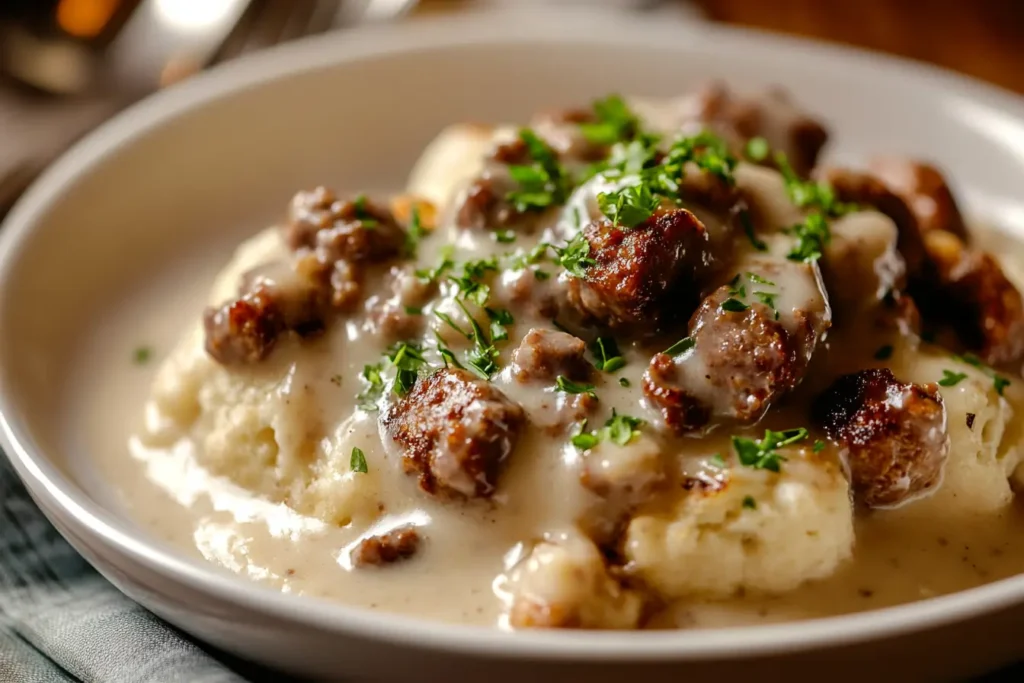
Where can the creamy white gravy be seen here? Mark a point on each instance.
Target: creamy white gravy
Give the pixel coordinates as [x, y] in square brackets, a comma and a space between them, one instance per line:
[899, 556]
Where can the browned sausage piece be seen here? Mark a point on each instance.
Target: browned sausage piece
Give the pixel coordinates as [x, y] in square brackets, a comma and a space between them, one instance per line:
[865, 189]
[454, 431]
[969, 290]
[925, 191]
[243, 330]
[740, 363]
[771, 114]
[485, 204]
[641, 275]
[892, 435]
[545, 354]
[388, 548]
[357, 230]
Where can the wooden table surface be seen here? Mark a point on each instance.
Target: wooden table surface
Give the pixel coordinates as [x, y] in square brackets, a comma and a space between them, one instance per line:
[981, 38]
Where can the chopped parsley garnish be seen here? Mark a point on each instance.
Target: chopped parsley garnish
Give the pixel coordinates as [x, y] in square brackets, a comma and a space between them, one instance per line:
[360, 203]
[629, 157]
[504, 236]
[523, 260]
[542, 183]
[565, 384]
[357, 463]
[749, 503]
[541, 274]
[757, 279]
[733, 305]
[680, 347]
[998, 381]
[470, 280]
[708, 151]
[809, 194]
[499, 317]
[619, 429]
[819, 446]
[812, 235]
[748, 228]
[606, 351]
[717, 461]
[141, 355]
[415, 232]
[413, 310]
[763, 454]
[575, 255]
[768, 299]
[757, 149]
[623, 382]
[884, 352]
[951, 379]
[615, 122]
[374, 381]
[735, 288]
[407, 360]
[447, 355]
[431, 274]
[483, 358]
[629, 206]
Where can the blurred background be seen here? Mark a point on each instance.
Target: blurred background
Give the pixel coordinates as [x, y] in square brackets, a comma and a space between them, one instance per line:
[66, 65]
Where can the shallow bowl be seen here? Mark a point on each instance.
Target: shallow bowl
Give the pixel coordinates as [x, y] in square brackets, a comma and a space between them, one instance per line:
[220, 155]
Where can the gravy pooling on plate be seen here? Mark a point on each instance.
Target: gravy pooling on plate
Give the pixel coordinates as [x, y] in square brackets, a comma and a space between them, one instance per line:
[641, 365]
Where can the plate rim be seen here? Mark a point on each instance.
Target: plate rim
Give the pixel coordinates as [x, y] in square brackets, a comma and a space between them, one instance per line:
[54, 490]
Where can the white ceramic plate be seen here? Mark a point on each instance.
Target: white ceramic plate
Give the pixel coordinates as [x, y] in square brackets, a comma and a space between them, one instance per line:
[354, 111]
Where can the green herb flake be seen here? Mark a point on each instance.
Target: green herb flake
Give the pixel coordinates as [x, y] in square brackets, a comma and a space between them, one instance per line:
[812, 236]
[680, 347]
[734, 305]
[763, 454]
[373, 380]
[951, 379]
[998, 381]
[717, 461]
[749, 503]
[623, 382]
[757, 149]
[819, 446]
[415, 232]
[757, 279]
[141, 355]
[544, 182]
[504, 236]
[357, 463]
[500, 318]
[575, 256]
[614, 122]
[563, 383]
[446, 264]
[619, 429]
[884, 352]
[748, 229]
[407, 359]
[607, 354]
[413, 310]
[630, 206]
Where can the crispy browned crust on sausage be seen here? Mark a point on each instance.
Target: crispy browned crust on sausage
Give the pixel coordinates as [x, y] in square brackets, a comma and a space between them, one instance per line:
[641, 275]
[455, 432]
[969, 290]
[545, 354]
[394, 546]
[925, 191]
[891, 434]
[243, 330]
[865, 189]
